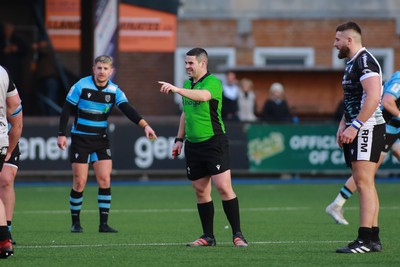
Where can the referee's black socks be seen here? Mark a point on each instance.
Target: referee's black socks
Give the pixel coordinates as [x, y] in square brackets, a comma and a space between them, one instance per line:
[231, 209]
[206, 212]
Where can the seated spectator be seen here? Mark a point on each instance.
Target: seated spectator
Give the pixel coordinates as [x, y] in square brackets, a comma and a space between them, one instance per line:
[246, 101]
[276, 108]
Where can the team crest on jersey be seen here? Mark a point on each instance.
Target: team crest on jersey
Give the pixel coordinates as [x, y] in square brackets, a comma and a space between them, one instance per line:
[108, 98]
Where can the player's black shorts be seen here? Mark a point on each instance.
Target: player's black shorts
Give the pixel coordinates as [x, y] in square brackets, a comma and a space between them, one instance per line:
[3, 154]
[207, 158]
[390, 140]
[368, 144]
[88, 148]
[14, 159]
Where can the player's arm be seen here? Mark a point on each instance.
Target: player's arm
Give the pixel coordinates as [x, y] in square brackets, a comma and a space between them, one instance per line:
[372, 88]
[193, 94]
[68, 108]
[389, 103]
[135, 117]
[16, 121]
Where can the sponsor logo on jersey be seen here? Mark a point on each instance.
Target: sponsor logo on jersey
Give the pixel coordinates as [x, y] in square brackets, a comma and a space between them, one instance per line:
[365, 60]
[189, 102]
[218, 166]
[89, 95]
[364, 140]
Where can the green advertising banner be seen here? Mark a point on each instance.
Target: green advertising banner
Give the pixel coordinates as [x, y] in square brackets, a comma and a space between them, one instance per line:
[298, 147]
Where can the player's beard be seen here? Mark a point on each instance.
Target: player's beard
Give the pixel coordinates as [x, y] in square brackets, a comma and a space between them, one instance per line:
[343, 52]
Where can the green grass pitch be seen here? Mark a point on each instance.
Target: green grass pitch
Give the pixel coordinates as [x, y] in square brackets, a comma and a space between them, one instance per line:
[285, 224]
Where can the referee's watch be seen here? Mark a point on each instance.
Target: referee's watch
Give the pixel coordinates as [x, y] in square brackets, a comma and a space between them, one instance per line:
[177, 139]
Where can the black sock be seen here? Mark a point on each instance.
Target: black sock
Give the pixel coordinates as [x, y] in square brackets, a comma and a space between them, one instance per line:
[104, 203]
[375, 234]
[365, 234]
[4, 234]
[75, 204]
[231, 208]
[206, 212]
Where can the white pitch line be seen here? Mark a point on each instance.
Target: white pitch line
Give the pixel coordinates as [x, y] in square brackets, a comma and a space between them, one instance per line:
[173, 244]
[160, 210]
[262, 209]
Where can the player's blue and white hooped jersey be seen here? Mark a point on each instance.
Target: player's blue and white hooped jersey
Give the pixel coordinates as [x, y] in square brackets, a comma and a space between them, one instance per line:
[392, 87]
[362, 66]
[93, 105]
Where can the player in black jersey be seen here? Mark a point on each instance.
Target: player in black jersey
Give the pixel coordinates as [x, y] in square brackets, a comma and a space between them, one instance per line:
[361, 132]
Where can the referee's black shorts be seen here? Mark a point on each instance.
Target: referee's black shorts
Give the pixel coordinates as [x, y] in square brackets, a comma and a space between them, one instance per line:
[89, 148]
[207, 158]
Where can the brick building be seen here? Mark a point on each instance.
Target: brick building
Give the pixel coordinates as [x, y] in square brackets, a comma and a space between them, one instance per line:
[269, 41]
[265, 40]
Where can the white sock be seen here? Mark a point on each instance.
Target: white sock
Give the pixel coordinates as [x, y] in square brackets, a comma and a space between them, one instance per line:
[340, 200]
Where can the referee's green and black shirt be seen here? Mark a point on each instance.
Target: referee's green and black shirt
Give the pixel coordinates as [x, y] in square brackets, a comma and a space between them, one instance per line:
[203, 119]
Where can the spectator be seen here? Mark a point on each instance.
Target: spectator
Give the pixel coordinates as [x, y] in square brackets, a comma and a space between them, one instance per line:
[13, 51]
[230, 94]
[246, 101]
[47, 78]
[276, 108]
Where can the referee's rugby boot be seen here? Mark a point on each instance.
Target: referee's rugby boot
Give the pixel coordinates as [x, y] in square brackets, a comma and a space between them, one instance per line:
[76, 228]
[336, 212]
[6, 249]
[105, 228]
[356, 246]
[239, 241]
[203, 241]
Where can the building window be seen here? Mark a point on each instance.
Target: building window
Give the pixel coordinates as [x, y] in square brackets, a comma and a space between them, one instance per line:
[385, 57]
[283, 56]
[218, 57]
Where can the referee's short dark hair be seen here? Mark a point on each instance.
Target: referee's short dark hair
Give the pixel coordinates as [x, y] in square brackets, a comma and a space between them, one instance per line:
[351, 25]
[197, 52]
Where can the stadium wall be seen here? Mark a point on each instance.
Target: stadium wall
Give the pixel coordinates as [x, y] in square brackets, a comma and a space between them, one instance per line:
[256, 150]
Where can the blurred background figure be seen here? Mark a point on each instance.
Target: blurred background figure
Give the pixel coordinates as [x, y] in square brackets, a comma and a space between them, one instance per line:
[276, 108]
[47, 79]
[230, 95]
[246, 101]
[13, 53]
[337, 116]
